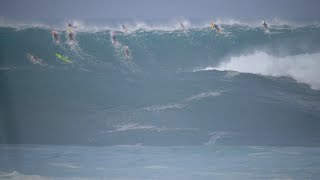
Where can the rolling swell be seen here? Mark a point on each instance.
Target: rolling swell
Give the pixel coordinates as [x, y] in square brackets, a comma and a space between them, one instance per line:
[161, 95]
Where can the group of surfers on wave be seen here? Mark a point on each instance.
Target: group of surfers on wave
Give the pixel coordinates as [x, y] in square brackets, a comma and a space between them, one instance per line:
[217, 28]
[71, 34]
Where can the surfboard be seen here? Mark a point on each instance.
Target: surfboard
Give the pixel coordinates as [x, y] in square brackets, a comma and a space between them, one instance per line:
[63, 58]
[267, 31]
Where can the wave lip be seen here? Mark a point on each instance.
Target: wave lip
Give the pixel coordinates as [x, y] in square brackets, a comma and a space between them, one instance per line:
[303, 68]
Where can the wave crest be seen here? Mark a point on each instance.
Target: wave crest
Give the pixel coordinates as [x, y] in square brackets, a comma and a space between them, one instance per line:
[303, 68]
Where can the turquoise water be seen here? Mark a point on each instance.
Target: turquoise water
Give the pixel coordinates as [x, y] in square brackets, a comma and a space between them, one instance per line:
[193, 104]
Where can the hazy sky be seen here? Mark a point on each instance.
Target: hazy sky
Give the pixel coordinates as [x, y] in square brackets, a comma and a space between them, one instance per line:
[148, 9]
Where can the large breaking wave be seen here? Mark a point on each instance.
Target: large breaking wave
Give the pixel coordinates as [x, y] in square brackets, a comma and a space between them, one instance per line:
[304, 68]
[161, 93]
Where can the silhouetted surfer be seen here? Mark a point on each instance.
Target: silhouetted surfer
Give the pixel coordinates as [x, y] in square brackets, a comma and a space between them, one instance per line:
[182, 26]
[265, 25]
[124, 28]
[70, 32]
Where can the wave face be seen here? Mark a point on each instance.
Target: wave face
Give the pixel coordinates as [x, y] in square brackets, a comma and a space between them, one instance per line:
[161, 86]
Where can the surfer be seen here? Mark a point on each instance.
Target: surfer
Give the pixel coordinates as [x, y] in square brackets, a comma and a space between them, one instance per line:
[265, 25]
[182, 26]
[114, 39]
[34, 59]
[55, 36]
[215, 26]
[70, 32]
[127, 52]
[124, 28]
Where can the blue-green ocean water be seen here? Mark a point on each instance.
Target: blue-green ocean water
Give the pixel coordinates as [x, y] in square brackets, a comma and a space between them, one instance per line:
[182, 104]
[153, 162]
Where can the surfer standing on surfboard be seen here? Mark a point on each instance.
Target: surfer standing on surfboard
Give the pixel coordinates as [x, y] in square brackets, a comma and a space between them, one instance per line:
[70, 32]
[215, 26]
[124, 28]
[114, 39]
[182, 26]
[265, 25]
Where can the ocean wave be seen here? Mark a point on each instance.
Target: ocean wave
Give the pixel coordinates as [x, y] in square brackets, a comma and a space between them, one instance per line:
[304, 68]
[139, 51]
[146, 95]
